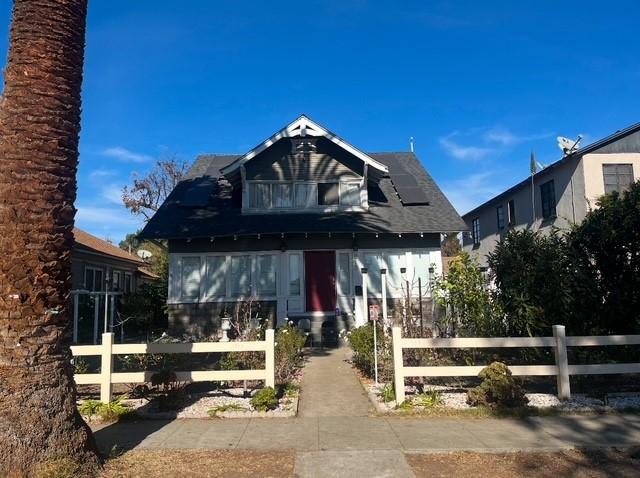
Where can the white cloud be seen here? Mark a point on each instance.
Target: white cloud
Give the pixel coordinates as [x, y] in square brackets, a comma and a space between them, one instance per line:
[104, 215]
[112, 193]
[112, 222]
[123, 154]
[470, 191]
[99, 174]
[506, 138]
[465, 153]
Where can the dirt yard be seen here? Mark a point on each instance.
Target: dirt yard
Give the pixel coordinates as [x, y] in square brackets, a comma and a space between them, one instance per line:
[573, 463]
[232, 463]
[200, 464]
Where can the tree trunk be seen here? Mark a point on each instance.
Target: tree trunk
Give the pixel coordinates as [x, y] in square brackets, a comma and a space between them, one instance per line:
[39, 128]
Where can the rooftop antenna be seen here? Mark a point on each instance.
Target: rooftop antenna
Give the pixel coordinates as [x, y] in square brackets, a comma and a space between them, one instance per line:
[411, 143]
[567, 145]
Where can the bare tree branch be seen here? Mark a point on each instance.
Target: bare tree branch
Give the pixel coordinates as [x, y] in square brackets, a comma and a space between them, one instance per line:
[147, 193]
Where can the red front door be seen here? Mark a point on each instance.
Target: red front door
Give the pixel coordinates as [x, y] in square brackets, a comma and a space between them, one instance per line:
[320, 280]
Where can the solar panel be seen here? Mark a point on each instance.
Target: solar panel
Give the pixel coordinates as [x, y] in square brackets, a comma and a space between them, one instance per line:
[413, 196]
[406, 185]
[198, 192]
[403, 180]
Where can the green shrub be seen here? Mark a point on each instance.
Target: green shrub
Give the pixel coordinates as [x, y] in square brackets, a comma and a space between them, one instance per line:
[107, 412]
[265, 399]
[288, 353]
[429, 399]
[361, 341]
[289, 390]
[388, 393]
[498, 388]
[80, 365]
[228, 407]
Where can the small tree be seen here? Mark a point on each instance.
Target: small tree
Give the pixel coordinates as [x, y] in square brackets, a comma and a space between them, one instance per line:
[464, 295]
[530, 271]
[451, 245]
[147, 193]
[605, 255]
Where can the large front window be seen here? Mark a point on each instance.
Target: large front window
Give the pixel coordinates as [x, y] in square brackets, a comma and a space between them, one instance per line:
[278, 195]
[190, 277]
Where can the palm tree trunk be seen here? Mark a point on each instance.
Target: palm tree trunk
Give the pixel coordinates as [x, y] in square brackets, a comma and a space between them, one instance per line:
[39, 128]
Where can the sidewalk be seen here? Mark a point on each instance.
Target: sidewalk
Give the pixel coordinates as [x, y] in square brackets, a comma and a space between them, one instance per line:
[333, 436]
[378, 433]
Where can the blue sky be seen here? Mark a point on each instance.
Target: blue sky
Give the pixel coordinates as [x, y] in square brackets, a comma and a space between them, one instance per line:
[477, 84]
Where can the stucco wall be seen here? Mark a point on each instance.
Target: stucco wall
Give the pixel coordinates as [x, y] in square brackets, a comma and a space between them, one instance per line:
[570, 208]
[593, 176]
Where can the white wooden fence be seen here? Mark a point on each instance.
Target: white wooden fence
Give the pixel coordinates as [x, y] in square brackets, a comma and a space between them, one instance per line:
[106, 378]
[559, 342]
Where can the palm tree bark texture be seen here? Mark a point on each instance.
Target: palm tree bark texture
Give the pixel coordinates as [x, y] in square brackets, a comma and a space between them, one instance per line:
[39, 131]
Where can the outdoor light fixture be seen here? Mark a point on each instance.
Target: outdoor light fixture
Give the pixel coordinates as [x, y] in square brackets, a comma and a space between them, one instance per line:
[403, 270]
[364, 270]
[383, 271]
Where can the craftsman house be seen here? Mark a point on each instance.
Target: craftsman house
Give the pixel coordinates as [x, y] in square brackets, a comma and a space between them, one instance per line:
[296, 224]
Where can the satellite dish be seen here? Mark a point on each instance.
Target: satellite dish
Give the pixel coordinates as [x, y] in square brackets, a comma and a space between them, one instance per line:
[144, 254]
[567, 145]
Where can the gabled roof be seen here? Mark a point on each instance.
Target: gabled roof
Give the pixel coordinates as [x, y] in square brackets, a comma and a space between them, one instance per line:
[601, 144]
[91, 243]
[304, 126]
[220, 216]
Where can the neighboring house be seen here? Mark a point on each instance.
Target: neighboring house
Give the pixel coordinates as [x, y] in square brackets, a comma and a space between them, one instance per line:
[97, 265]
[291, 224]
[563, 192]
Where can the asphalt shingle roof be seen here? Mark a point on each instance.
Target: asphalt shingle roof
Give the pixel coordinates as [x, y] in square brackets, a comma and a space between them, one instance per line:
[220, 217]
[91, 243]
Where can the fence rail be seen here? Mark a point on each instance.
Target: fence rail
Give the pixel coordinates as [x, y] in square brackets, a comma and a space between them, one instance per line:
[559, 342]
[107, 350]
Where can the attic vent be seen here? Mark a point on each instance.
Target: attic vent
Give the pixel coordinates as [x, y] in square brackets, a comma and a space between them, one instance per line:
[303, 145]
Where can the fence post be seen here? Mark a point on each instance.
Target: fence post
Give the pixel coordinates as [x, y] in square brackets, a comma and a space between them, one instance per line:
[562, 362]
[398, 367]
[106, 367]
[269, 358]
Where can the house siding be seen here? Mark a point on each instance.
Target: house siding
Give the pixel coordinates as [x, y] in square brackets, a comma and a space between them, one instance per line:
[80, 260]
[328, 163]
[414, 250]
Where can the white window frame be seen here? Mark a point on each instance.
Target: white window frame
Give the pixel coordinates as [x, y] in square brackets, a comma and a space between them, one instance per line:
[94, 269]
[128, 275]
[117, 286]
[248, 186]
[175, 277]
[475, 231]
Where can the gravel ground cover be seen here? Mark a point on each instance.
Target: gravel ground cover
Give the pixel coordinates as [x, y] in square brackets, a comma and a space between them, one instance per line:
[458, 400]
[230, 403]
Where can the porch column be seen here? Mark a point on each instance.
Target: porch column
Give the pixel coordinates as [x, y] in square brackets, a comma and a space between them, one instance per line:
[365, 295]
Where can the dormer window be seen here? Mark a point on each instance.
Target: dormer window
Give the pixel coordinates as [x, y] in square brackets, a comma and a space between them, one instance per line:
[294, 195]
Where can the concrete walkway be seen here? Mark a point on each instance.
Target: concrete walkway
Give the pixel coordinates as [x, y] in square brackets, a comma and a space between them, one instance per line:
[330, 387]
[333, 436]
